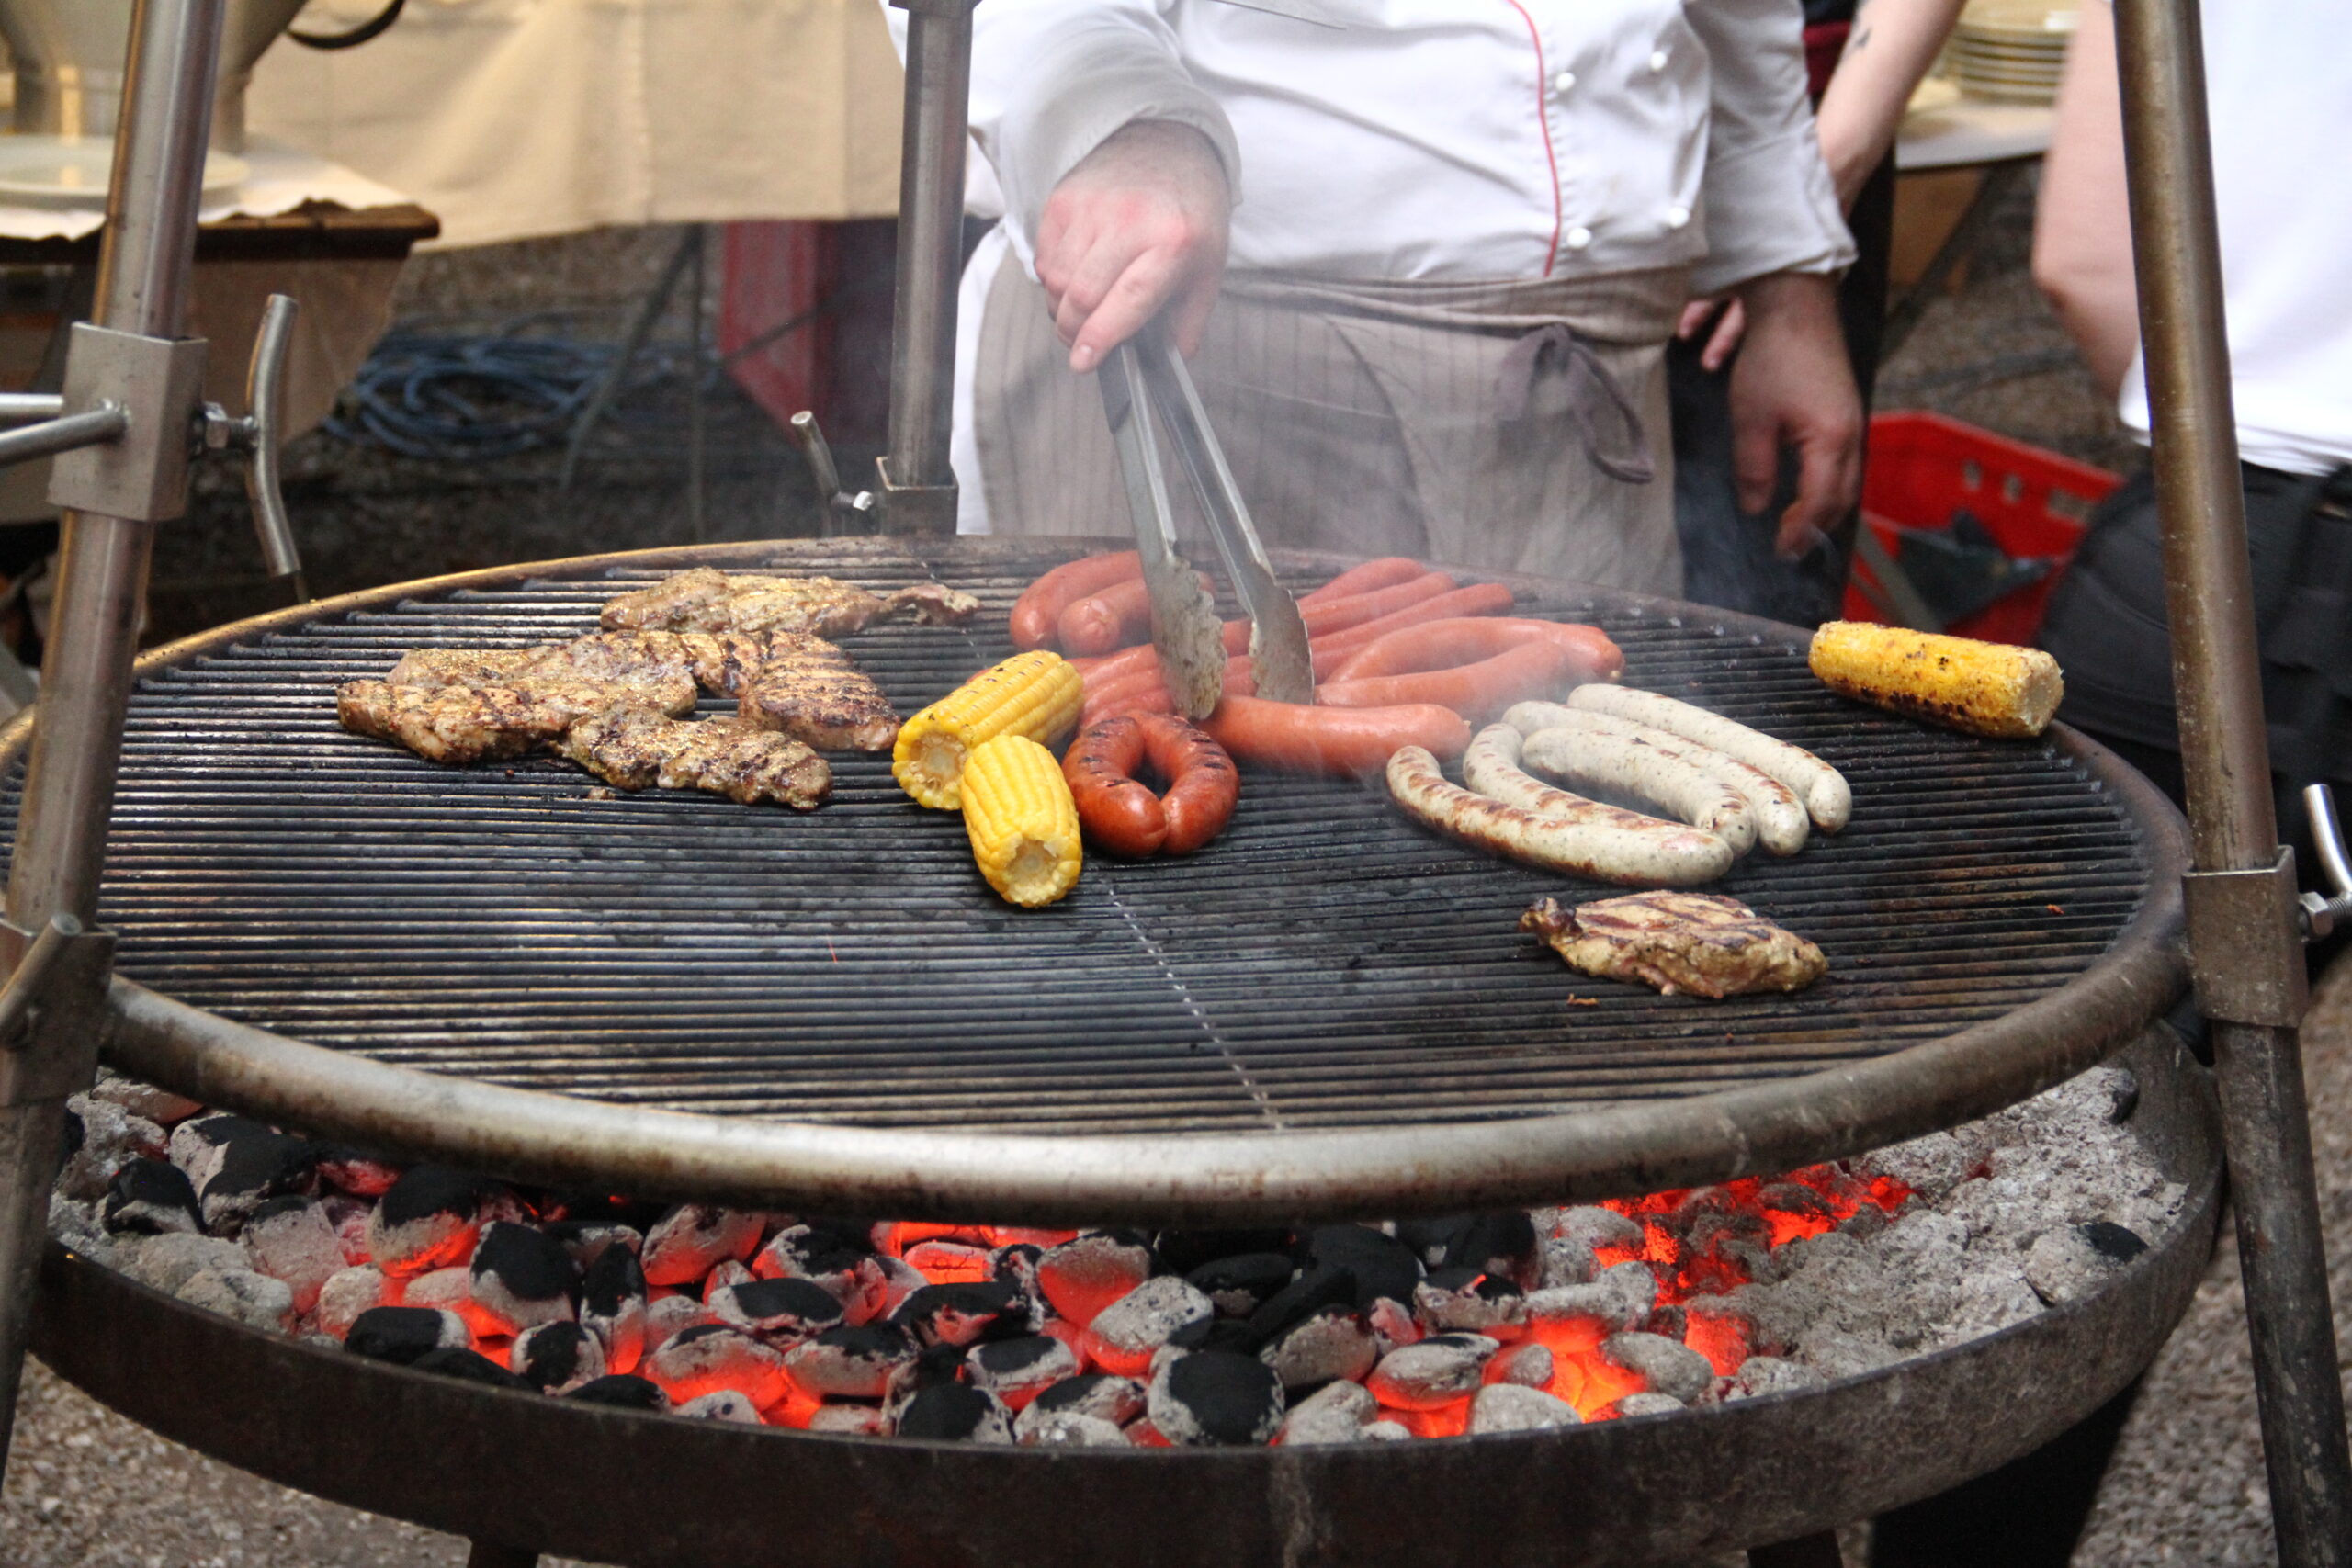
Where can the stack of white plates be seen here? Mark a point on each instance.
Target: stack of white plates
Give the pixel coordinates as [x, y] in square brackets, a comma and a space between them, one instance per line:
[2011, 50]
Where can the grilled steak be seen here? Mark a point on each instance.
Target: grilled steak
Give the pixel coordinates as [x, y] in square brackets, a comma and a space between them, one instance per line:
[810, 691]
[703, 599]
[487, 723]
[1702, 942]
[633, 749]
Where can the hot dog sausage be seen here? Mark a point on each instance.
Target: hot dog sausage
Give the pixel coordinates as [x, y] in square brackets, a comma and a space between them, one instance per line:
[1478, 691]
[1435, 644]
[1111, 618]
[1781, 825]
[1384, 572]
[1584, 757]
[1562, 832]
[1823, 788]
[1037, 614]
[1478, 599]
[1202, 786]
[1116, 809]
[1308, 739]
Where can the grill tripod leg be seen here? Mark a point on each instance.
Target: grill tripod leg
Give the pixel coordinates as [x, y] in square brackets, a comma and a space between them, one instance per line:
[31, 1148]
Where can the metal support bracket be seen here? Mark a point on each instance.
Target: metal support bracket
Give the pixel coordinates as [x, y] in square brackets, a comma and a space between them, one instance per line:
[912, 509]
[2246, 944]
[158, 383]
[53, 1012]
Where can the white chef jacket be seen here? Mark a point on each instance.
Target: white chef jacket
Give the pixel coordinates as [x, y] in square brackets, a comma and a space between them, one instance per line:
[1438, 139]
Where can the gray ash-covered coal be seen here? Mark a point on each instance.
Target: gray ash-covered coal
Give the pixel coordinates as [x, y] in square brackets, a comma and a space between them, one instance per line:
[1493, 1323]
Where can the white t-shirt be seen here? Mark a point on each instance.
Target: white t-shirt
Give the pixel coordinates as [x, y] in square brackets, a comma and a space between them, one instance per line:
[2281, 108]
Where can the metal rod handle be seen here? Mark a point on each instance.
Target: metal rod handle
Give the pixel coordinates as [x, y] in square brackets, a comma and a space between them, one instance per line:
[92, 427]
[16, 406]
[265, 403]
[2327, 834]
[32, 973]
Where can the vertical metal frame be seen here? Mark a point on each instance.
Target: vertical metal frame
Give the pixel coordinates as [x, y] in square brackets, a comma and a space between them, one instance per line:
[2245, 950]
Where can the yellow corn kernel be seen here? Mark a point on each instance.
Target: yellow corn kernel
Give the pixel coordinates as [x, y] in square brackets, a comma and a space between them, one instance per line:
[1022, 820]
[1035, 695]
[1984, 688]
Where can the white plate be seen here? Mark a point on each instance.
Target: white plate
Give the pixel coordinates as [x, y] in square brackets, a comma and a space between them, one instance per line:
[70, 171]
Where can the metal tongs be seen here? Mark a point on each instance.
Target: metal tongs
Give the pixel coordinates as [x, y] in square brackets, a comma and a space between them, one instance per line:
[1145, 374]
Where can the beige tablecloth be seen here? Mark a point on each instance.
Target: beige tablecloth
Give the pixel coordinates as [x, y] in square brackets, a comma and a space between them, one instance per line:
[512, 119]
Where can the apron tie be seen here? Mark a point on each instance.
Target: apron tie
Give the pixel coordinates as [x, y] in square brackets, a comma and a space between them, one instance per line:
[1603, 414]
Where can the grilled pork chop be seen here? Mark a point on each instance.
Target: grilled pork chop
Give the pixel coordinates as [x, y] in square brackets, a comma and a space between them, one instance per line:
[487, 723]
[632, 749]
[1702, 942]
[705, 599]
[810, 691]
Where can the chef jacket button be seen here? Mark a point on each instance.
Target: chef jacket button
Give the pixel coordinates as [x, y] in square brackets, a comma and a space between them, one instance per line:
[1578, 237]
[1676, 216]
[1564, 82]
[1657, 60]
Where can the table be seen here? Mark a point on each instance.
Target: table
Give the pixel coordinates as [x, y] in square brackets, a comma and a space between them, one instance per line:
[2006, 140]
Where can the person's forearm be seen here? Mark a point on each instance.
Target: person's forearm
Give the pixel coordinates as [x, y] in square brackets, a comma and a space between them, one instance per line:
[1893, 44]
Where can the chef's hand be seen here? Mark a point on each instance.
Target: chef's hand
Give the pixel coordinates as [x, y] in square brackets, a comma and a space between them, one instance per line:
[1729, 319]
[1139, 226]
[1793, 386]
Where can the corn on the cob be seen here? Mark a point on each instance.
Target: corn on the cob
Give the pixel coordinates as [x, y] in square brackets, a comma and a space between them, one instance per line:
[1984, 688]
[1022, 820]
[1037, 696]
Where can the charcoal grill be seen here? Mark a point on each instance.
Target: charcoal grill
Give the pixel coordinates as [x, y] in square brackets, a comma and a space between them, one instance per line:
[1330, 1008]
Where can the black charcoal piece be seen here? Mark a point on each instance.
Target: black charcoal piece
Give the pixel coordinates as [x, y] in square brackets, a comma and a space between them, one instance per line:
[148, 1197]
[1116, 1400]
[956, 1412]
[1322, 1286]
[1501, 1244]
[1216, 1396]
[962, 1313]
[1383, 1267]
[611, 1281]
[1239, 1285]
[1330, 1344]
[524, 1273]
[694, 1238]
[554, 1356]
[427, 1190]
[1219, 1334]
[402, 1333]
[1182, 1251]
[623, 1392]
[789, 1306]
[1432, 1239]
[255, 1166]
[450, 1361]
[2112, 1241]
[1019, 1369]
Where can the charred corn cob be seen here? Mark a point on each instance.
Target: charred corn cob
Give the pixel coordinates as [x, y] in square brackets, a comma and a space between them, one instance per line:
[1984, 688]
[1035, 695]
[1022, 820]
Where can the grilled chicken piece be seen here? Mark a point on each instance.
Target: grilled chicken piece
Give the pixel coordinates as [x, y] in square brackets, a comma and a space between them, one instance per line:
[706, 600]
[633, 749]
[1702, 942]
[810, 691]
[452, 724]
[465, 666]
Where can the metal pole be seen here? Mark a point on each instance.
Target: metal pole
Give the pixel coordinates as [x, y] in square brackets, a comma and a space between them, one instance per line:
[2225, 759]
[142, 287]
[918, 486]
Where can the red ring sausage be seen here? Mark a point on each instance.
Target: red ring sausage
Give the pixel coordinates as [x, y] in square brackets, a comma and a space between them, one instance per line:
[1116, 809]
[1037, 613]
[1202, 786]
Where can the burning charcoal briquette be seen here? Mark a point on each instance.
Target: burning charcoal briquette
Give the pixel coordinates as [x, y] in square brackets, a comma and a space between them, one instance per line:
[150, 1197]
[694, 1238]
[711, 1355]
[348, 1171]
[935, 1366]
[1470, 1301]
[253, 1168]
[1336, 1414]
[1124, 1335]
[160, 1106]
[1182, 1251]
[108, 1138]
[1768, 1374]
[612, 1306]
[586, 1240]
[962, 1313]
[450, 1361]
[1018, 1370]
[195, 1146]
[290, 1239]
[1650, 1404]
[781, 1311]
[666, 1317]
[450, 1288]
[838, 1263]
[1509, 1407]
[1383, 1265]
[522, 1276]
[1216, 1396]
[402, 1333]
[2074, 1260]
[348, 1293]
[1527, 1364]
[1081, 1278]
[1621, 1298]
[556, 1357]
[1239, 1285]
[623, 1392]
[1433, 1373]
[850, 1420]
[1502, 1245]
[850, 1363]
[429, 1219]
[1392, 1325]
[1317, 1289]
[1216, 1334]
[724, 1274]
[1114, 1399]
[1065, 1430]
[254, 1300]
[724, 1405]
[1333, 1343]
[956, 1412]
[1668, 1366]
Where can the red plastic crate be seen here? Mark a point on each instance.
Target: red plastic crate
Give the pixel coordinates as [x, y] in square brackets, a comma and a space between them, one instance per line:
[1923, 468]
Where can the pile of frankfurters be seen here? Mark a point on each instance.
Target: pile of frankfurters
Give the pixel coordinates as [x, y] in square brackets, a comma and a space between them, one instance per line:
[1407, 661]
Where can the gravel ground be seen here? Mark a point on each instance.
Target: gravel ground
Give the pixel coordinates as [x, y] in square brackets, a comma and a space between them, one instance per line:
[89, 1490]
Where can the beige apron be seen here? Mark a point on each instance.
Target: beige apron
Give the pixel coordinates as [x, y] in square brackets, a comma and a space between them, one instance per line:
[1493, 426]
